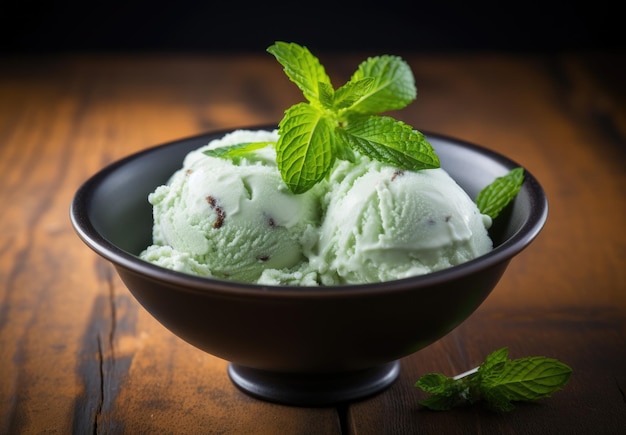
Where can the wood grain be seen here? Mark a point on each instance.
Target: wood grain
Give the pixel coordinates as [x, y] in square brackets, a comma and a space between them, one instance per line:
[79, 354]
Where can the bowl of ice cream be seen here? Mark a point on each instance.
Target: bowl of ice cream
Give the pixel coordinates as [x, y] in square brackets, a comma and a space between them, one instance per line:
[294, 343]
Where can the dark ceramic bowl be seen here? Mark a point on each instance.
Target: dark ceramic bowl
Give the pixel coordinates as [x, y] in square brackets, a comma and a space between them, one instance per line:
[301, 345]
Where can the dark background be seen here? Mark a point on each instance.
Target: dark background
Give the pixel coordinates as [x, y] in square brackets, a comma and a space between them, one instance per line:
[226, 26]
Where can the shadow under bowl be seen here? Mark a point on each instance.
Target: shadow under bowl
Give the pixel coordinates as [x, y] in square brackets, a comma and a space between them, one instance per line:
[304, 346]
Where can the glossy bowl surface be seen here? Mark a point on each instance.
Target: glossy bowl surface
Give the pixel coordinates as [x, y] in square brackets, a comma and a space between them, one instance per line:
[310, 346]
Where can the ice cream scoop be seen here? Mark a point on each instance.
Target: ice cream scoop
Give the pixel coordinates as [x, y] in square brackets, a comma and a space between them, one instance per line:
[230, 218]
[381, 224]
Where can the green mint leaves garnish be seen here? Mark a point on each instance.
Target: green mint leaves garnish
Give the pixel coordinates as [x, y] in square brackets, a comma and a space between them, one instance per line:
[238, 150]
[500, 192]
[336, 122]
[497, 382]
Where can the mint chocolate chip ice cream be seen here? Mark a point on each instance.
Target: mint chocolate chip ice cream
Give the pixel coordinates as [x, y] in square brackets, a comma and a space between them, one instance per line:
[234, 218]
[382, 224]
[231, 219]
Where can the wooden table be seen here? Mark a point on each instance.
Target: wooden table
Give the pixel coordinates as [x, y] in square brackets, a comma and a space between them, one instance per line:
[79, 354]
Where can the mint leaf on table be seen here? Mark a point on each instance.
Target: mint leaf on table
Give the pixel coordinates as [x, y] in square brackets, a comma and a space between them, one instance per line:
[337, 122]
[497, 382]
[492, 199]
[446, 393]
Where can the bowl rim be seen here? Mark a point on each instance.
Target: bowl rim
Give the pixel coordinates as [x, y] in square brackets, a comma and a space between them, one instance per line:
[186, 282]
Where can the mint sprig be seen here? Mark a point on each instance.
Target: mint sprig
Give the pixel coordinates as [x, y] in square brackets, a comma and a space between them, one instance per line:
[335, 123]
[492, 199]
[497, 382]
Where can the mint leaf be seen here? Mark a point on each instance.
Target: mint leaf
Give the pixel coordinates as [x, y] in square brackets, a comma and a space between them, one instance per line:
[304, 149]
[393, 85]
[326, 95]
[337, 123]
[434, 383]
[389, 141]
[446, 392]
[301, 67]
[497, 400]
[497, 383]
[441, 402]
[492, 366]
[236, 150]
[494, 359]
[492, 199]
[347, 95]
[530, 378]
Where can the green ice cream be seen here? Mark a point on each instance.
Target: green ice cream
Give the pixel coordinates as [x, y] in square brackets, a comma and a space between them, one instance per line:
[368, 222]
[231, 219]
[383, 224]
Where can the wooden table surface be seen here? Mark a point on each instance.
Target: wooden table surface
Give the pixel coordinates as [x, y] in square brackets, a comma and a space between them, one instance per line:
[78, 354]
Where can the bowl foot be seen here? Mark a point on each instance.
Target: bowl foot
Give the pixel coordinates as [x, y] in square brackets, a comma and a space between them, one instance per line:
[323, 389]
